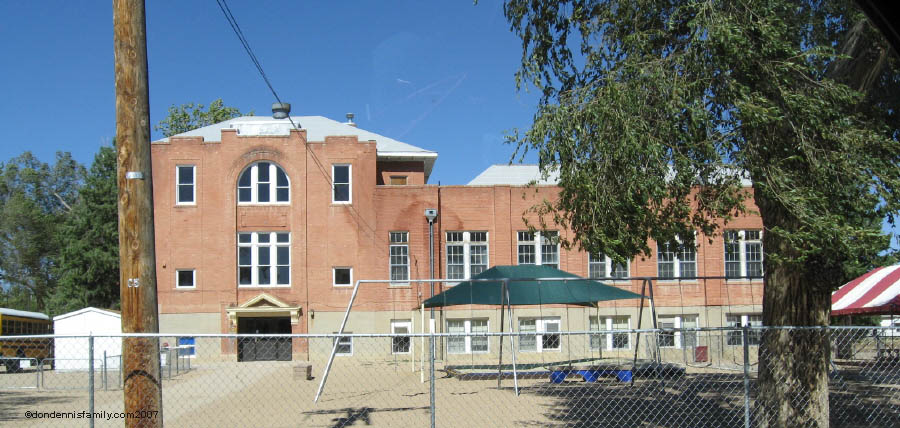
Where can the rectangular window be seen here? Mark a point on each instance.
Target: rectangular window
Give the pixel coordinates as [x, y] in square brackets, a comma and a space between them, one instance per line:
[342, 276]
[538, 248]
[601, 266]
[676, 260]
[740, 320]
[398, 180]
[186, 346]
[186, 178]
[610, 341]
[467, 344]
[678, 339]
[342, 189]
[401, 344]
[185, 278]
[743, 254]
[264, 259]
[548, 340]
[467, 254]
[345, 345]
[399, 255]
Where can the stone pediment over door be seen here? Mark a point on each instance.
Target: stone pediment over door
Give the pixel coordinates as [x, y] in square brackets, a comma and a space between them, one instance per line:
[264, 305]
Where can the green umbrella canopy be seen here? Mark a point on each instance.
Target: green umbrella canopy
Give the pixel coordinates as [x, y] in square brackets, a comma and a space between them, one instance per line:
[524, 290]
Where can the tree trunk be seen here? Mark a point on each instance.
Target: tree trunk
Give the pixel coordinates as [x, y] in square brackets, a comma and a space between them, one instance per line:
[793, 363]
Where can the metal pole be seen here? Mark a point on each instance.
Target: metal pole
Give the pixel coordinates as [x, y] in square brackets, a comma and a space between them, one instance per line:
[336, 342]
[431, 387]
[137, 252]
[653, 318]
[105, 385]
[746, 340]
[637, 336]
[500, 358]
[512, 349]
[91, 378]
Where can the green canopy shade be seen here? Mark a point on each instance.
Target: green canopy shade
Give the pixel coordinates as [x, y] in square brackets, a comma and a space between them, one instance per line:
[525, 290]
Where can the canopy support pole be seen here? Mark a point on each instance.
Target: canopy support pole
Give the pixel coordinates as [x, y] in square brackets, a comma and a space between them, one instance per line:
[637, 338]
[512, 348]
[336, 342]
[653, 318]
[500, 359]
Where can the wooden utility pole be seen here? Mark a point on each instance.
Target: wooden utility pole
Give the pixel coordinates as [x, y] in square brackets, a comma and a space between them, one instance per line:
[137, 253]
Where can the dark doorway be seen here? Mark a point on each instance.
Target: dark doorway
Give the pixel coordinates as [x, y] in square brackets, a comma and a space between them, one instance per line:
[264, 348]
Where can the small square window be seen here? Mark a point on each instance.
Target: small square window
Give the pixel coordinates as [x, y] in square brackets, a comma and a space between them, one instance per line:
[343, 276]
[185, 278]
[398, 180]
[345, 345]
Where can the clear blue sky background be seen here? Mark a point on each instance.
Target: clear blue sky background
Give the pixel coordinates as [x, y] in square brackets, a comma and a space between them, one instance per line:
[438, 75]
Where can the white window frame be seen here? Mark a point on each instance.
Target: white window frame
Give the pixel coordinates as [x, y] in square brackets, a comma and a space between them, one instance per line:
[179, 184]
[398, 245]
[467, 243]
[734, 337]
[467, 329]
[349, 183]
[676, 261]
[395, 324]
[253, 170]
[537, 242]
[193, 279]
[349, 342]
[254, 265]
[608, 265]
[334, 276]
[677, 322]
[540, 325]
[742, 243]
[607, 340]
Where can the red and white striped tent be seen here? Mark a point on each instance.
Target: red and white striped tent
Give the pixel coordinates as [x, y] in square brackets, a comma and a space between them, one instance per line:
[876, 292]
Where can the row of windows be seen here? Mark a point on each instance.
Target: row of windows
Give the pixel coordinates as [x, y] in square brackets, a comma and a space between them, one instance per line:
[13, 327]
[264, 258]
[262, 183]
[546, 336]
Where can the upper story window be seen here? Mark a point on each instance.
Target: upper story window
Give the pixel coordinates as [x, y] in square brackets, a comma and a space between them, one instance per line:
[601, 266]
[342, 191]
[398, 180]
[186, 179]
[539, 248]
[743, 253]
[467, 254]
[264, 259]
[264, 183]
[676, 260]
[399, 255]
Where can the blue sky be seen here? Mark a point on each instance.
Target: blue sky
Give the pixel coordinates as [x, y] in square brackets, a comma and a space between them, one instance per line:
[438, 75]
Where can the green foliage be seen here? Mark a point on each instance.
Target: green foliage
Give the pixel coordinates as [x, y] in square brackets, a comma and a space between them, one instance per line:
[653, 111]
[186, 117]
[35, 198]
[88, 268]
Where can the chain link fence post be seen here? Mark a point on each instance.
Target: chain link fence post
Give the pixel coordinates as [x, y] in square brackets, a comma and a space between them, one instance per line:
[91, 379]
[746, 339]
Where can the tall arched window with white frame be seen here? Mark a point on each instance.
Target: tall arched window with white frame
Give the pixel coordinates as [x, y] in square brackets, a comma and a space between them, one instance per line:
[263, 182]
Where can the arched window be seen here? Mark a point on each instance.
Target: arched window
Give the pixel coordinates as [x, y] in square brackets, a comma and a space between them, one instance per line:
[264, 183]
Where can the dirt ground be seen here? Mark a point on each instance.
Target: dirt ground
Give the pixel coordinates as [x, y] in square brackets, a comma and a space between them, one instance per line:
[389, 393]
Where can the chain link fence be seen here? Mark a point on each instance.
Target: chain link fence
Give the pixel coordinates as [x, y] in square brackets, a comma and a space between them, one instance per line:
[699, 377]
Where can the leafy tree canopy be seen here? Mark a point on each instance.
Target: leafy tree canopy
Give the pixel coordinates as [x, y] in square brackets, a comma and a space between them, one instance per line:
[189, 116]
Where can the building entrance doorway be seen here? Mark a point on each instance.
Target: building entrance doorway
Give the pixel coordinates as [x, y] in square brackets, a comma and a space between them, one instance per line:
[264, 348]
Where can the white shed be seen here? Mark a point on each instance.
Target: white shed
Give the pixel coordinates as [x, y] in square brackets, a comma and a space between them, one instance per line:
[71, 353]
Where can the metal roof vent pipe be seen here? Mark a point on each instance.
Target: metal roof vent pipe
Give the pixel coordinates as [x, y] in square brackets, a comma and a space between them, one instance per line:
[350, 120]
[281, 110]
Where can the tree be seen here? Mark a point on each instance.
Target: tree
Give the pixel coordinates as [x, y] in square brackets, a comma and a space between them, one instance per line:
[34, 200]
[88, 239]
[188, 116]
[653, 111]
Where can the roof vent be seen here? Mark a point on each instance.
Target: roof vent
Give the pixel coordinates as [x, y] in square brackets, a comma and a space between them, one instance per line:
[350, 120]
[281, 110]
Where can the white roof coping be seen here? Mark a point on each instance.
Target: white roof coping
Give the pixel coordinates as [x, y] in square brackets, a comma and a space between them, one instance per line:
[26, 314]
[524, 174]
[86, 310]
[513, 175]
[317, 128]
